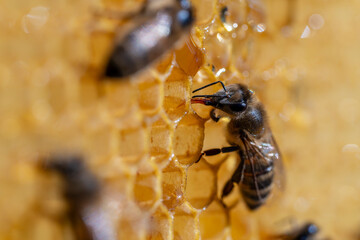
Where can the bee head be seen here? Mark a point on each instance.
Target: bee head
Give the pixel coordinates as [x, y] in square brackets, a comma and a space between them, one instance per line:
[65, 165]
[80, 185]
[185, 16]
[233, 99]
[311, 229]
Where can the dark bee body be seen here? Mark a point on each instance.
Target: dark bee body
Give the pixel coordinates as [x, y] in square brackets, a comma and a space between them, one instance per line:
[223, 13]
[81, 192]
[153, 34]
[306, 232]
[248, 132]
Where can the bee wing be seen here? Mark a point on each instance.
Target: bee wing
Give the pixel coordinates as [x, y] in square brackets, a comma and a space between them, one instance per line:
[280, 176]
[267, 145]
[264, 153]
[81, 230]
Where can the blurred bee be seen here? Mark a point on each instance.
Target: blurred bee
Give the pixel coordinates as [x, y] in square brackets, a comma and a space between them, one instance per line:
[223, 12]
[81, 192]
[249, 134]
[155, 31]
[306, 232]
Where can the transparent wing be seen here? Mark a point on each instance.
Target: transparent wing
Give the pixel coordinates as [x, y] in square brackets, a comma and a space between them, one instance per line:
[280, 175]
[263, 154]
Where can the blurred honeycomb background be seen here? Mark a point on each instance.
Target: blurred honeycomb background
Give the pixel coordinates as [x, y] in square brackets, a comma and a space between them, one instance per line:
[141, 136]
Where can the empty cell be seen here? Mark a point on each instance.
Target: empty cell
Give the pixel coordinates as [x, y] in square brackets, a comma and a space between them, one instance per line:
[213, 221]
[149, 95]
[165, 63]
[185, 224]
[204, 11]
[189, 57]
[176, 88]
[204, 77]
[13, 99]
[132, 144]
[160, 225]
[242, 51]
[217, 48]
[173, 181]
[41, 227]
[215, 138]
[88, 91]
[224, 173]
[200, 185]
[243, 226]
[146, 188]
[56, 94]
[100, 143]
[116, 176]
[188, 138]
[50, 94]
[100, 45]
[256, 15]
[160, 141]
[21, 184]
[120, 97]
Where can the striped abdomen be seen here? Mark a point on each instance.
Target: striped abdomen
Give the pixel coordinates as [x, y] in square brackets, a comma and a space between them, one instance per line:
[256, 189]
[155, 33]
[142, 45]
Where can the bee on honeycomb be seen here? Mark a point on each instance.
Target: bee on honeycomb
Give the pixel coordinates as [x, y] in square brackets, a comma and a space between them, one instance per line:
[142, 137]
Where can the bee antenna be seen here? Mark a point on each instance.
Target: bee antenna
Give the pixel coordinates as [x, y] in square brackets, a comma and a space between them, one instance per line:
[211, 85]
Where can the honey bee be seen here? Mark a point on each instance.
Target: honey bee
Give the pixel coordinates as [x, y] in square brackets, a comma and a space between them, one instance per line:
[223, 12]
[81, 192]
[156, 30]
[306, 232]
[248, 133]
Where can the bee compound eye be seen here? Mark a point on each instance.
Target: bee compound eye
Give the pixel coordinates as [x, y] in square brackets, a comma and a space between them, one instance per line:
[185, 17]
[312, 229]
[238, 107]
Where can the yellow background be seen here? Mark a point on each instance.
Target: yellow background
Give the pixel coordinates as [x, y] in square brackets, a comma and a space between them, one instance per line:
[140, 136]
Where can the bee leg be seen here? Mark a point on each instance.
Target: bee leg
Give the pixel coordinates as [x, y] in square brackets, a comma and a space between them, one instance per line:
[216, 151]
[213, 116]
[235, 178]
[227, 188]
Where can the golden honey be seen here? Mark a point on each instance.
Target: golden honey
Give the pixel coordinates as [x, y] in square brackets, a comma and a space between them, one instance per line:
[141, 136]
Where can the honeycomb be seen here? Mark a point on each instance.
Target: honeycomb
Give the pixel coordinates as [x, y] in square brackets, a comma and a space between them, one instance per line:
[141, 136]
